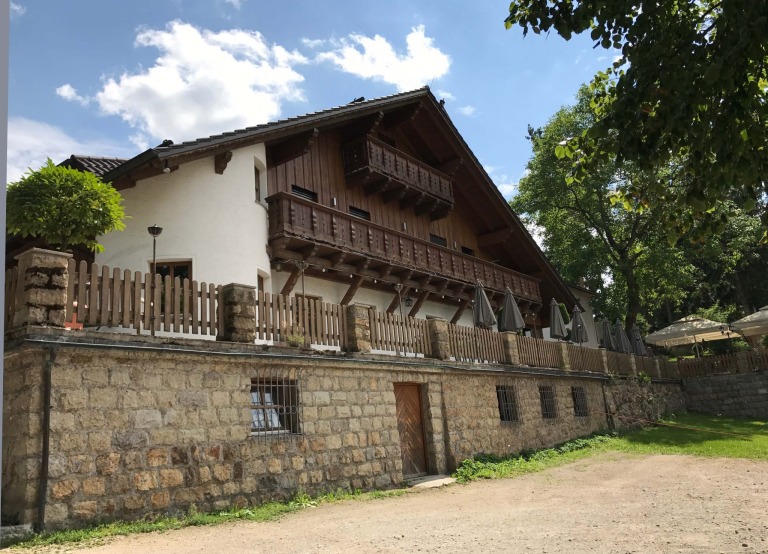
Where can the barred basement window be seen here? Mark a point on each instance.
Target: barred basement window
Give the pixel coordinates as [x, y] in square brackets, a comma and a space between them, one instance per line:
[275, 407]
[507, 397]
[548, 405]
[579, 401]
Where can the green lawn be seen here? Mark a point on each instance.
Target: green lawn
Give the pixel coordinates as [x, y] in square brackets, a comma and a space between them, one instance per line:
[692, 434]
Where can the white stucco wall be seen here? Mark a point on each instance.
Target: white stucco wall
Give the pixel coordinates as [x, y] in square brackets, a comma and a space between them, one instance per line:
[213, 220]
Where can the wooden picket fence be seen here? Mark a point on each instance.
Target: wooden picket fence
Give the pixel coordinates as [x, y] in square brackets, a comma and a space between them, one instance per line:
[400, 334]
[472, 344]
[536, 352]
[98, 296]
[11, 296]
[647, 365]
[298, 319]
[619, 363]
[583, 358]
[708, 365]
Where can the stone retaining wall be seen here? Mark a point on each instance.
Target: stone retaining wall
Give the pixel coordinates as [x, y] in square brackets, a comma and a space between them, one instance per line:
[738, 395]
[633, 403]
[142, 427]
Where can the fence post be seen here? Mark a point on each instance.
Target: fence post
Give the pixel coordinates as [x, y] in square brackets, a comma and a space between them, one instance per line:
[564, 355]
[358, 329]
[511, 352]
[42, 288]
[742, 362]
[438, 338]
[633, 366]
[604, 360]
[238, 320]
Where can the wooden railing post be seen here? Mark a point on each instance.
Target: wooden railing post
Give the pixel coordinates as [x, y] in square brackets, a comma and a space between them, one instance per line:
[358, 337]
[238, 314]
[42, 288]
[511, 352]
[438, 338]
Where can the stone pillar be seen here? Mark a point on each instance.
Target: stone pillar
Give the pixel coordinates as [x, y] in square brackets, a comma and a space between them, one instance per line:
[358, 337]
[41, 294]
[509, 344]
[742, 362]
[564, 355]
[604, 360]
[438, 338]
[656, 369]
[239, 318]
[633, 365]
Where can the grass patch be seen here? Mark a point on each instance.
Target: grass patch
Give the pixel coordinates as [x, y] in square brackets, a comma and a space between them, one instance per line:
[266, 512]
[691, 434]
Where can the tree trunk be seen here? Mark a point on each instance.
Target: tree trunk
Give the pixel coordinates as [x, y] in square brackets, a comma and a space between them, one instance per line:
[633, 293]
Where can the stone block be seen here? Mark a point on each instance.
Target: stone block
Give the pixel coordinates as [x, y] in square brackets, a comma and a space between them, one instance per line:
[64, 488]
[94, 486]
[145, 480]
[123, 440]
[160, 499]
[157, 457]
[171, 478]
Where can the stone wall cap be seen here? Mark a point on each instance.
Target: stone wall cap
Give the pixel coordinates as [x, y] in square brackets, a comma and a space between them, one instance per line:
[43, 251]
[240, 285]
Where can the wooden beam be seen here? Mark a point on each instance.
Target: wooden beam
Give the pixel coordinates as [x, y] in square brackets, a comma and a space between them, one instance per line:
[337, 259]
[493, 237]
[293, 147]
[291, 282]
[384, 273]
[419, 301]
[375, 125]
[462, 306]
[310, 251]
[413, 199]
[427, 206]
[450, 167]
[221, 160]
[378, 186]
[356, 282]
[404, 115]
[395, 193]
[398, 299]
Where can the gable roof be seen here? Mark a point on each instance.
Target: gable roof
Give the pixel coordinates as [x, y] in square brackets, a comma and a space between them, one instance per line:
[166, 155]
[94, 164]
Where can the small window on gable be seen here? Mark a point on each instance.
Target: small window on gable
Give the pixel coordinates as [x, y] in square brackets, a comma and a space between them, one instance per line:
[547, 399]
[304, 193]
[436, 239]
[275, 406]
[507, 398]
[257, 183]
[579, 402]
[357, 212]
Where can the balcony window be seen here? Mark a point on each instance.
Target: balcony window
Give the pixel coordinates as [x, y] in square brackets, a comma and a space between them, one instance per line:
[438, 240]
[304, 193]
[362, 214]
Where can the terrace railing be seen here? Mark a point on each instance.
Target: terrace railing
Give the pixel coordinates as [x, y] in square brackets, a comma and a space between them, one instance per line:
[474, 345]
[299, 320]
[540, 353]
[402, 335]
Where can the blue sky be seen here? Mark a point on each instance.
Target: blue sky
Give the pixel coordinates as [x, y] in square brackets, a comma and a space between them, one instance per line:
[112, 78]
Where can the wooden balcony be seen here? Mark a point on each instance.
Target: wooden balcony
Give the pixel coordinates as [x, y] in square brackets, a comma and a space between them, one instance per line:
[384, 170]
[330, 239]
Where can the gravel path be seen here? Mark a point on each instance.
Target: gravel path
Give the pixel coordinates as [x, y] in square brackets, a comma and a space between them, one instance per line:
[610, 503]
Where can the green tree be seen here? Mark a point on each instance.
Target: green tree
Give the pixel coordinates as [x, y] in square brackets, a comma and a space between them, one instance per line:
[64, 206]
[689, 89]
[620, 250]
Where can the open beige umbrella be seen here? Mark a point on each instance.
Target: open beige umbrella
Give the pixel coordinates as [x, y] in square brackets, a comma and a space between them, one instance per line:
[753, 324]
[688, 330]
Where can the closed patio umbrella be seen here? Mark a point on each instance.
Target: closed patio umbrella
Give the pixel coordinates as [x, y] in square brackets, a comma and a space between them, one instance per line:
[482, 312]
[556, 325]
[579, 329]
[510, 318]
[638, 346]
[753, 324]
[622, 340]
[605, 334]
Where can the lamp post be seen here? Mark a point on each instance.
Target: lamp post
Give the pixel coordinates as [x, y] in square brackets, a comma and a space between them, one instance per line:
[155, 231]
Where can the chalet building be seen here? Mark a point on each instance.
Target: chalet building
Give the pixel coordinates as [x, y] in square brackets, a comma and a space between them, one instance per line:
[361, 197]
[377, 208]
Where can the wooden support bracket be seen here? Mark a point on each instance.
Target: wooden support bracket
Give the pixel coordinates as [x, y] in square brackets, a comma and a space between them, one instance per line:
[356, 282]
[221, 160]
[419, 302]
[457, 316]
[291, 282]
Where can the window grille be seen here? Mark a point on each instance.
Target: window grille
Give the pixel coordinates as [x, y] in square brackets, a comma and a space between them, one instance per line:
[579, 401]
[276, 406]
[507, 397]
[548, 404]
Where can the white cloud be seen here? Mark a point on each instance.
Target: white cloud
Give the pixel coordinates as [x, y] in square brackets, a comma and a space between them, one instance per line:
[444, 94]
[375, 58]
[68, 92]
[234, 3]
[467, 110]
[17, 9]
[202, 83]
[313, 43]
[506, 184]
[31, 142]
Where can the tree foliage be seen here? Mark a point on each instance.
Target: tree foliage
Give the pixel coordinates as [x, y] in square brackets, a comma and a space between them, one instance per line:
[621, 253]
[64, 206]
[689, 91]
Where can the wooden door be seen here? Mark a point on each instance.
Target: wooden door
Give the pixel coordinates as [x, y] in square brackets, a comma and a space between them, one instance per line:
[411, 428]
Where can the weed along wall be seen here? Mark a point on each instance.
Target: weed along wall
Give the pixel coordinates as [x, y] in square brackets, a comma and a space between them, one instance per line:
[144, 426]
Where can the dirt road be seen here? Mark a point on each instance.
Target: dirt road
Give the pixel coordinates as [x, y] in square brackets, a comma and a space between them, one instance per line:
[611, 503]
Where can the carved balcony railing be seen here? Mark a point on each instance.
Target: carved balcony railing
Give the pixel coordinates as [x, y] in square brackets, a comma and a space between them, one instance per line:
[382, 169]
[301, 226]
